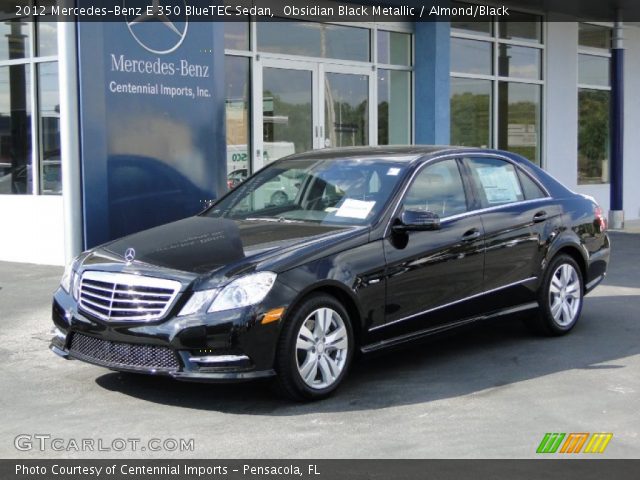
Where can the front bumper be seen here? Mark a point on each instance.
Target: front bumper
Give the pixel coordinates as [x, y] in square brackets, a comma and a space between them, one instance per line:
[222, 347]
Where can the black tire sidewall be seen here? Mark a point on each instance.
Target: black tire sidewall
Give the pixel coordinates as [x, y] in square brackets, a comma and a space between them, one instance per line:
[286, 363]
[547, 320]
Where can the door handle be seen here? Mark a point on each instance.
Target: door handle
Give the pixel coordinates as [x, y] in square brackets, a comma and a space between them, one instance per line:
[541, 216]
[471, 235]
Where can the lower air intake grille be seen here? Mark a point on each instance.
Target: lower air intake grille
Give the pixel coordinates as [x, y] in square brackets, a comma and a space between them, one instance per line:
[123, 355]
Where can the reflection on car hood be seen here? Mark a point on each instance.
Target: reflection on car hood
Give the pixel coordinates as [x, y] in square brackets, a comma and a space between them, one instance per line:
[202, 244]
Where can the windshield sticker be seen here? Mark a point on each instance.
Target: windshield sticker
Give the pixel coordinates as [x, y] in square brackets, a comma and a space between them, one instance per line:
[393, 171]
[355, 208]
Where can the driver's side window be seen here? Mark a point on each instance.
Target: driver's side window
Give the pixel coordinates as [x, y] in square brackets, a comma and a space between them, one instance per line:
[438, 188]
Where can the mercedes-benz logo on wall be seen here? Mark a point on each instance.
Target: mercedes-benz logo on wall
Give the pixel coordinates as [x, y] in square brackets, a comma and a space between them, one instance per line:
[130, 255]
[158, 28]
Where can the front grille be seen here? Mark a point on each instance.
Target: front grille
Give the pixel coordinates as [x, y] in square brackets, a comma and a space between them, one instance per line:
[123, 355]
[126, 297]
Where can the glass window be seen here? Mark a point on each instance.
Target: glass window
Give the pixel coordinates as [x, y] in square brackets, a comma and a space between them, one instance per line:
[521, 62]
[236, 35]
[519, 119]
[594, 36]
[521, 26]
[593, 70]
[47, 38]
[438, 188]
[471, 56]
[394, 107]
[461, 23]
[15, 130]
[346, 110]
[593, 136]
[471, 112]
[530, 188]
[313, 39]
[394, 48]
[49, 105]
[238, 118]
[15, 39]
[496, 181]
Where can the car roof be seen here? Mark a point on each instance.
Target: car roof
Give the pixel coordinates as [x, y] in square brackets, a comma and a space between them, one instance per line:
[406, 153]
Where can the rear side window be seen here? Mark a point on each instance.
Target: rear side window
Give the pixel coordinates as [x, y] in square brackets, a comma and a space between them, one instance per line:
[530, 188]
[496, 181]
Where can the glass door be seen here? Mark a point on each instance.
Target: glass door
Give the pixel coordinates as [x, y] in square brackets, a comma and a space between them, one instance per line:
[346, 106]
[289, 108]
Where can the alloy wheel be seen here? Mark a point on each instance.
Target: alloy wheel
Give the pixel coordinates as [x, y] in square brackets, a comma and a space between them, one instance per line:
[565, 295]
[322, 348]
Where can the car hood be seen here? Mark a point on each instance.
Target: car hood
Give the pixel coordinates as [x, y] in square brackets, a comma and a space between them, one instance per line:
[202, 244]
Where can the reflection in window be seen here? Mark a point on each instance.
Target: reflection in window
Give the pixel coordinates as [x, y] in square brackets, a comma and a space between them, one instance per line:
[314, 40]
[471, 112]
[236, 35]
[346, 110]
[394, 107]
[521, 62]
[519, 119]
[521, 26]
[47, 38]
[50, 164]
[594, 36]
[15, 39]
[593, 70]
[593, 136]
[471, 56]
[238, 119]
[394, 48]
[287, 112]
[15, 130]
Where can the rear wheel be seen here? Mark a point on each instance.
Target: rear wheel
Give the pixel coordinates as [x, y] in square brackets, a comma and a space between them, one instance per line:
[560, 297]
[315, 349]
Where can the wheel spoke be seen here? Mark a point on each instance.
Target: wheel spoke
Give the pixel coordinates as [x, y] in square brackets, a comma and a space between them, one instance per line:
[303, 343]
[323, 320]
[555, 308]
[566, 312]
[328, 376]
[309, 368]
[565, 275]
[572, 288]
[337, 339]
[556, 284]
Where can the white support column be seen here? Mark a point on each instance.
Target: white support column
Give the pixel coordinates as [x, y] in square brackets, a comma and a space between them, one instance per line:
[70, 139]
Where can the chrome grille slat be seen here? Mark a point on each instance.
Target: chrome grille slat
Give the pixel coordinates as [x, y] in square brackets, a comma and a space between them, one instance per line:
[126, 297]
[123, 355]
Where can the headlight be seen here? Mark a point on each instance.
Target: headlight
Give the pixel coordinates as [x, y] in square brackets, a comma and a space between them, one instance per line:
[244, 291]
[65, 281]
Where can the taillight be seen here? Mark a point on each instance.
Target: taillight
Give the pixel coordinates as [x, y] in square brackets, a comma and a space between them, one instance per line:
[600, 222]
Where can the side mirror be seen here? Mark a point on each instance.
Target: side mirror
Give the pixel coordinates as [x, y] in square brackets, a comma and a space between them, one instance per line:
[417, 220]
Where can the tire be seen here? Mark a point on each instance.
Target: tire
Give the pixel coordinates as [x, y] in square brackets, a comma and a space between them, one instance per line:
[560, 298]
[309, 366]
[278, 198]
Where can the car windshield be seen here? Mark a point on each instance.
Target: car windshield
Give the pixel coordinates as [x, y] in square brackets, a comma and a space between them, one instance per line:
[329, 191]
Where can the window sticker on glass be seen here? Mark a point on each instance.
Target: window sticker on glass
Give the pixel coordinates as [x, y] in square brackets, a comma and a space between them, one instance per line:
[355, 208]
[393, 171]
[500, 184]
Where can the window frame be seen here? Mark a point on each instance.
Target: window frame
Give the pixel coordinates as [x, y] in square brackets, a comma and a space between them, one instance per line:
[595, 52]
[495, 79]
[33, 61]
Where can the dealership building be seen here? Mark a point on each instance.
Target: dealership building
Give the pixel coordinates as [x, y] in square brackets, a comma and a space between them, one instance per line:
[107, 128]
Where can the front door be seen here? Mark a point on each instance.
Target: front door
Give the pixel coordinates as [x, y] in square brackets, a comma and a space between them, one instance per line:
[432, 275]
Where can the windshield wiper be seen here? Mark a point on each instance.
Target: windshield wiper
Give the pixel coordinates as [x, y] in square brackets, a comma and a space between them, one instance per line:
[273, 219]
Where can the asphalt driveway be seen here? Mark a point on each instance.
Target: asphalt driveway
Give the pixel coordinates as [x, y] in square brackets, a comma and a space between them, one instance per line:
[491, 391]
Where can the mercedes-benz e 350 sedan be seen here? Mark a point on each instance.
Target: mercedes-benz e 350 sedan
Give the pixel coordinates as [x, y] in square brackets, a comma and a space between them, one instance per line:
[376, 247]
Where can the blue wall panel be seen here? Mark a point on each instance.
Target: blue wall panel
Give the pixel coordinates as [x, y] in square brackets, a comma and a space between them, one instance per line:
[152, 122]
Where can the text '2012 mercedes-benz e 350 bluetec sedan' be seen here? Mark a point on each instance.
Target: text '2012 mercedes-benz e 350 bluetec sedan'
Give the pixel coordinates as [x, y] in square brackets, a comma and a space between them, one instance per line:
[373, 247]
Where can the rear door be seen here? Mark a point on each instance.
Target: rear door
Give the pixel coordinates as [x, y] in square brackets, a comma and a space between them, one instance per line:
[515, 211]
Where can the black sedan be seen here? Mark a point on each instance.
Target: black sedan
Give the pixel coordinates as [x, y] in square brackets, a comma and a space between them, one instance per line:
[378, 246]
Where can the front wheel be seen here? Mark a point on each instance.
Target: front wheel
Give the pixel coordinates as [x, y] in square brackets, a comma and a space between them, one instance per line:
[560, 297]
[315, 349]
